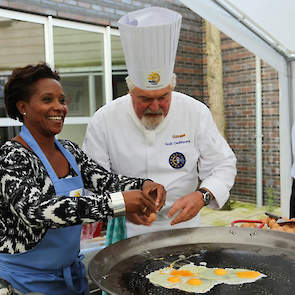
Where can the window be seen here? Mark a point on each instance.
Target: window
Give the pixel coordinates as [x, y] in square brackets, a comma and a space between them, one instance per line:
[21, 43]
[79, 58]
[81, 53]
[118, 68]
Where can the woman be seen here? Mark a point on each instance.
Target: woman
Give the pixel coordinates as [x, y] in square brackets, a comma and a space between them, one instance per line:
[42, 201]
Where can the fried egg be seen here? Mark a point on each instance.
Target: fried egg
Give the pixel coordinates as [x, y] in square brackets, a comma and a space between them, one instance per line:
[182, 279]
[200, 279]
[241, 276]
[196, 285]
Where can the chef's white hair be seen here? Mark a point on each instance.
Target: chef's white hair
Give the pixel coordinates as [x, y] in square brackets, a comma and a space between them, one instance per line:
[131, 85]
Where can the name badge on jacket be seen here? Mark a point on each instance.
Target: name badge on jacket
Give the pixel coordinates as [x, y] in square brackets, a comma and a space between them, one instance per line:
[76, 193]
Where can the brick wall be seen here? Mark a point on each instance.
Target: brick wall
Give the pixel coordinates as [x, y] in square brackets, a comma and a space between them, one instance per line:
[190, 67]
[239, 97]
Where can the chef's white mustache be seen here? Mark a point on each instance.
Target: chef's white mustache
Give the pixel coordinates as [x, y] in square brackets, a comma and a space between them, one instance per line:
[150, 112]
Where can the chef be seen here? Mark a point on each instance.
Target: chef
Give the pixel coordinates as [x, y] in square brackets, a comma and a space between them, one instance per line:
[155, 132]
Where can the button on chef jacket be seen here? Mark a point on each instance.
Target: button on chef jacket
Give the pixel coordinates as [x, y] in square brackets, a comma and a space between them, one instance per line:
[53, 267]
[185, 146]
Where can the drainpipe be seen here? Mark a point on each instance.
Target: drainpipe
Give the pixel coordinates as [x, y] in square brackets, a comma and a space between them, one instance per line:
[108, 65]
[259, 200]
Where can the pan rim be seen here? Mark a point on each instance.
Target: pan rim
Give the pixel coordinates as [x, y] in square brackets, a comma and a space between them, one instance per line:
[106, 259]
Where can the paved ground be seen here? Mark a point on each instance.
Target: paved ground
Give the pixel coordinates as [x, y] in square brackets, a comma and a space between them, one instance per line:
[241, 210]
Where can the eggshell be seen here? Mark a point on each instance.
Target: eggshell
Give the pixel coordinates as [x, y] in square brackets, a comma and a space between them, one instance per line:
[152, 217]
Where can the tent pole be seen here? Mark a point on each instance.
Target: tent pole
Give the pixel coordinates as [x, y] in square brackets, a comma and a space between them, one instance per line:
[286, 118]
[243, 20]
[259, 199]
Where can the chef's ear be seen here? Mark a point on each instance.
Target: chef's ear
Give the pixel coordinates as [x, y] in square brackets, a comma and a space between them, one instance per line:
[21, 106]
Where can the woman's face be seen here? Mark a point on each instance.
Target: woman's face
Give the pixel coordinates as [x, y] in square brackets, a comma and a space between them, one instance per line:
[46, 110]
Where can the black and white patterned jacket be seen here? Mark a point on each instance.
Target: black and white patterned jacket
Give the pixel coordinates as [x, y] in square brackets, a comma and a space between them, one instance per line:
[29, 206]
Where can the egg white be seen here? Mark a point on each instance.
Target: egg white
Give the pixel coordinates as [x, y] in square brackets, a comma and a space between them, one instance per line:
[203, 288]
[208, 277]
[233, 279]
[209, 274]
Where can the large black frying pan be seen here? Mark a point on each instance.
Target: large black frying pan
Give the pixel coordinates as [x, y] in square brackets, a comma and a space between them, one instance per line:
[121, 268]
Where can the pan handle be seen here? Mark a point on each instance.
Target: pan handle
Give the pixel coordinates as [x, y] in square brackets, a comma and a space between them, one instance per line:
[271, 215]
[248, 221]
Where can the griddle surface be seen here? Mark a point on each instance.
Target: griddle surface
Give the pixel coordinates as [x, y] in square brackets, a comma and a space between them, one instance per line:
[278, 268]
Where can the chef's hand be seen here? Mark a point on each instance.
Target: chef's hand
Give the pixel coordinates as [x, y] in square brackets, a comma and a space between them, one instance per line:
[137, 202]
[188, 205]
[156, 191]
[141, 219]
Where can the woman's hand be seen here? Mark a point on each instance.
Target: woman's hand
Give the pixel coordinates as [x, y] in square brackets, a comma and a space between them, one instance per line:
[137, 202]
[141, 219]
[156, 191]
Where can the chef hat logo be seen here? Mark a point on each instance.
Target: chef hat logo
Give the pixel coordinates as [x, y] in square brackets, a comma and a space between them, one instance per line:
[154, 78]
[149, 38]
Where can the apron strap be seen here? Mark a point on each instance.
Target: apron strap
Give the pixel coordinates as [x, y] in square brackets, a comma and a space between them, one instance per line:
[79, 269]
[32, 143]
[30, 140]
[68, 156]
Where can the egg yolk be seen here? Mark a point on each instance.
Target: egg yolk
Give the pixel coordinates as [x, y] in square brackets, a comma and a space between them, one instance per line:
[248, 274]
[194, 282]
[181, 272]
[174, 279]
[220, 271]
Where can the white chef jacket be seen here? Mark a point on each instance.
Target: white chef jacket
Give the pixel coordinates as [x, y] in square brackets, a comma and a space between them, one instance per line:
[184, 146]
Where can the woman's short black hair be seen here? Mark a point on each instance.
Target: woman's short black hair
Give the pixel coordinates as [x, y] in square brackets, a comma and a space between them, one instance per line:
[19, 86]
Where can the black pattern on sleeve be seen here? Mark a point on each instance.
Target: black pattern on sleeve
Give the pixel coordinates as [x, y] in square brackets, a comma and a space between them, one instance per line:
[29, 205]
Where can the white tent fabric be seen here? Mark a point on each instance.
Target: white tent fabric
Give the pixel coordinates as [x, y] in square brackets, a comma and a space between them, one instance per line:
[266, 28]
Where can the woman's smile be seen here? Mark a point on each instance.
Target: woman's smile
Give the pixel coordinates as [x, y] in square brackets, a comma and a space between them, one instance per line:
[47, 108]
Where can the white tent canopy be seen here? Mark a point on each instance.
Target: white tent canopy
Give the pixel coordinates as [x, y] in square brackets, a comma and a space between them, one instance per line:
[266, 28]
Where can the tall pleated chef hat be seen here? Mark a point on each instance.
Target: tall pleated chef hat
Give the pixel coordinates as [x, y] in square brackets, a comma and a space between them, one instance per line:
[149, 38]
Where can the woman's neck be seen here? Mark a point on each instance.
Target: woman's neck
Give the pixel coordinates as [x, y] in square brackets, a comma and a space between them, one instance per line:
[46, 143]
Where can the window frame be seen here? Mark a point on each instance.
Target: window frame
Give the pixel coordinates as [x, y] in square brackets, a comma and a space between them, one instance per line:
[48, 23]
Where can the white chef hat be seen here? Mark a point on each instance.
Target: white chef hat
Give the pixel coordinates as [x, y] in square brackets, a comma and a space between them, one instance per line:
[149, 37]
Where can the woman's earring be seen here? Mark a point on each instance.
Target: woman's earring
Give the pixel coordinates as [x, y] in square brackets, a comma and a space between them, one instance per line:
[24, 114]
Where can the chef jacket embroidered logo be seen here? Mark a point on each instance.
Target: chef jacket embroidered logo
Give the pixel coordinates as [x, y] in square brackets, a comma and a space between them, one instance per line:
[154, 78]
[177, 160]
[178, 135]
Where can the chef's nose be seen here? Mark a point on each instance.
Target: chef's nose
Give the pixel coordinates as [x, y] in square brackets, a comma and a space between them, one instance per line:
[154, 105]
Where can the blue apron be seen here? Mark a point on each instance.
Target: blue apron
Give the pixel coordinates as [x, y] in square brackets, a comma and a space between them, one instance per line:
[53, 267]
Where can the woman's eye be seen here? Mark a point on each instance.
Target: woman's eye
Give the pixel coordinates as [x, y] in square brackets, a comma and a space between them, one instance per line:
[63, 100]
